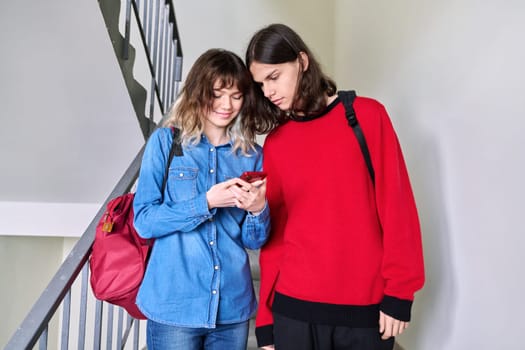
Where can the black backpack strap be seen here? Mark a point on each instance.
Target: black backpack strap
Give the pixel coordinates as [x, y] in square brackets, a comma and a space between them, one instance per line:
[348, 97]
[176, 150]
[176, 146]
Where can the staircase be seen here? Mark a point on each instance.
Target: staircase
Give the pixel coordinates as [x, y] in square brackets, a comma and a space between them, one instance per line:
[160, 45]
[68, 293]
[145, 38]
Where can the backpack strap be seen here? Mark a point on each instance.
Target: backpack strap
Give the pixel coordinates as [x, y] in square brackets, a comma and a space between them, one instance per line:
[176, 147]
[348, 97]
[176, 150]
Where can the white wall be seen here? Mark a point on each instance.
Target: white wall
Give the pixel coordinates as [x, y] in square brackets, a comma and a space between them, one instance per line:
[451, 75]
[230, 24]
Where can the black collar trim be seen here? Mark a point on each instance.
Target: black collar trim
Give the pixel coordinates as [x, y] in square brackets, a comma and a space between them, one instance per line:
[318, 115]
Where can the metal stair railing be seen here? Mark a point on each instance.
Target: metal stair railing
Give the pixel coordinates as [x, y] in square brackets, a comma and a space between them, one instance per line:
[158, 35]
[155, 20]
[35, 325]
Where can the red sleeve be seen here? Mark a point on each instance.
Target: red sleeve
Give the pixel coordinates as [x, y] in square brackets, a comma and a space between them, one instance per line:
[271, 252]
[402, 266]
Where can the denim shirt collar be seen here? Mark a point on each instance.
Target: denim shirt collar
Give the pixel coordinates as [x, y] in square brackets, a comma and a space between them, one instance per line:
[204, 140]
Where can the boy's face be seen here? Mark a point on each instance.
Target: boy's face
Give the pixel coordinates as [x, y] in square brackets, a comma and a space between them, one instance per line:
[277, 81]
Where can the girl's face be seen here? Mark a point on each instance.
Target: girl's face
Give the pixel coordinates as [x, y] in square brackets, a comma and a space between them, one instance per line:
[227, 103]
[277, 81]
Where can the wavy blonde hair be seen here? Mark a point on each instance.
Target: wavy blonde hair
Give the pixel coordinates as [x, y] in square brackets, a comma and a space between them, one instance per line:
[220, 69]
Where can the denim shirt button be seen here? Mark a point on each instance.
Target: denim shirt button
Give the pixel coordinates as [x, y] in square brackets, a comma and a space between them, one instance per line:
[216, 267]
[197, 220]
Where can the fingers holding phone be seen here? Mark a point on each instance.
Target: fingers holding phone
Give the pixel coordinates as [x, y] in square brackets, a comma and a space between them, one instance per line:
[253, 176]
[220, 196]
[251, 179]
[250, 193]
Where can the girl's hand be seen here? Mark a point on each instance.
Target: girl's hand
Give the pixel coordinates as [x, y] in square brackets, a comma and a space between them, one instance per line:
[249, 196]
[220, 196]
[238, 193]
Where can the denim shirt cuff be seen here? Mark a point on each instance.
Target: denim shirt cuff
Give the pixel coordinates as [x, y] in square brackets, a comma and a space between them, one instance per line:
[261, 216]
[200, 207]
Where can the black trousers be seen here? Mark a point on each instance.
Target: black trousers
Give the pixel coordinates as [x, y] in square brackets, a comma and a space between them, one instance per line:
[290, 334]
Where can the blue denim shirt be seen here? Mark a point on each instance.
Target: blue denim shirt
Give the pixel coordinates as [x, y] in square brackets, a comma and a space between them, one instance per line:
[198, 274]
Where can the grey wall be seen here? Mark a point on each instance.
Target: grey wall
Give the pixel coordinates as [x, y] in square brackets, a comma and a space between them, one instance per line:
[451, 75]
[27, 264]
[68, 130]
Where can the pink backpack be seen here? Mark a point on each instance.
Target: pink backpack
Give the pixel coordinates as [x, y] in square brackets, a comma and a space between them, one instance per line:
[119, 255]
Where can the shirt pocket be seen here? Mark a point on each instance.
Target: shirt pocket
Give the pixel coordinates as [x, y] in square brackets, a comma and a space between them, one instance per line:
[182, 183]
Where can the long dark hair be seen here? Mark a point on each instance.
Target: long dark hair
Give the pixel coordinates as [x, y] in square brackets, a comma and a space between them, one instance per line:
[278, 43]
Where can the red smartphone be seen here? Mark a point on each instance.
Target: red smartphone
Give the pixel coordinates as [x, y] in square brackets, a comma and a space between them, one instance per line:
[251, 176]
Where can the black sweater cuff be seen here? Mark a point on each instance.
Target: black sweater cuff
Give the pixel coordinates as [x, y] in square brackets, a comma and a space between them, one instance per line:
[264, 335]
[396, 308]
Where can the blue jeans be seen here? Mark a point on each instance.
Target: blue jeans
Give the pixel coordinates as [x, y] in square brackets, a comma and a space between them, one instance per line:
[227, 336]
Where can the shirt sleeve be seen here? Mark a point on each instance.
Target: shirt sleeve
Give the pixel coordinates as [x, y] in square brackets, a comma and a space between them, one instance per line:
[402, 265]
[256, 229]
[155, 217]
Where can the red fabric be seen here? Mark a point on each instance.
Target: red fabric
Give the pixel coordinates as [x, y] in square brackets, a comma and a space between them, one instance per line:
[118, 257]
[335, 238]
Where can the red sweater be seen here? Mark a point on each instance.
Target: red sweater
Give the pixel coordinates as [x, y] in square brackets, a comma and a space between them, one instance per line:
[341, 249]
